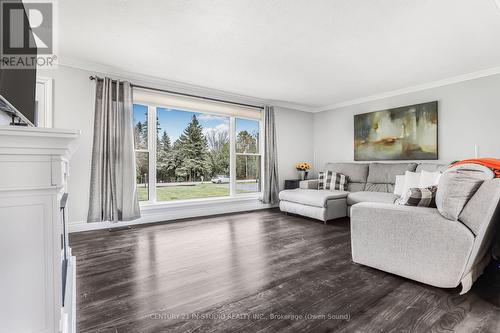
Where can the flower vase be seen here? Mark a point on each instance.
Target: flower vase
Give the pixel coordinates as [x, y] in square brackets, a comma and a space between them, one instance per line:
[302, 175]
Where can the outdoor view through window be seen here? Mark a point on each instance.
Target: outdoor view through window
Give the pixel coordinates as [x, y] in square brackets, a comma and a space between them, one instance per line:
[191, 154]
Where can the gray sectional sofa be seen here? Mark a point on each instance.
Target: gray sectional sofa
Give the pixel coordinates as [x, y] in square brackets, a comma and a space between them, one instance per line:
[368, 182]
[413, 242]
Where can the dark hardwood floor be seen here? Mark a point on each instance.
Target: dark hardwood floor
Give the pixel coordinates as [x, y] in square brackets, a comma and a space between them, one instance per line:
[222, 274]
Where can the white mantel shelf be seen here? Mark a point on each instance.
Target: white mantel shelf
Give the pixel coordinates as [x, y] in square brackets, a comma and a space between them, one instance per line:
[21, 140]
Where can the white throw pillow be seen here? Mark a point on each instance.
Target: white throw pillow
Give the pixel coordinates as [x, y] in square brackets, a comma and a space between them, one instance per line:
[412, 180]
[428, 179]
[399, 185]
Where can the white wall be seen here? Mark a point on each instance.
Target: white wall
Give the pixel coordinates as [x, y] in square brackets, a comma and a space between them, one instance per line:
[73, 102]
[73, 107]
[294, 133]
[468, 114]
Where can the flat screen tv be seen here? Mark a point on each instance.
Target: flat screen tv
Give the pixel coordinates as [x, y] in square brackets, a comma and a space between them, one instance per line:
[18, 87]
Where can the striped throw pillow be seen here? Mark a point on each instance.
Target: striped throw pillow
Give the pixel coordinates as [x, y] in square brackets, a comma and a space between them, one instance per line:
[421, 197]
[329, 180]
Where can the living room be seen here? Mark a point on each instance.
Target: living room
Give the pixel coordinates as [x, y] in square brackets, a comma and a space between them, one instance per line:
[250, 166]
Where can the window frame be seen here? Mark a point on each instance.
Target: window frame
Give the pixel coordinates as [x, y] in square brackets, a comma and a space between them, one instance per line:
[148, 151]
[152, 153]
[260, 153]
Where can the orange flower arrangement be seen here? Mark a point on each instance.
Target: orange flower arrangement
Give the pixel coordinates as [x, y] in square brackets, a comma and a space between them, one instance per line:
[303, 166]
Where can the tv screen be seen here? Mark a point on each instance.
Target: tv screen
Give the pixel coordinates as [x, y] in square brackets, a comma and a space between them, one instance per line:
[18, 86]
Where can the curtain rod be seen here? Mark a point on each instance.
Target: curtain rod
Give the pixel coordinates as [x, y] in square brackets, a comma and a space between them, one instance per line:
[94, 77]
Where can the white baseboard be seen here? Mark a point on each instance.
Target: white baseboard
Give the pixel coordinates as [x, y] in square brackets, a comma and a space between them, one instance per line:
[162, 213]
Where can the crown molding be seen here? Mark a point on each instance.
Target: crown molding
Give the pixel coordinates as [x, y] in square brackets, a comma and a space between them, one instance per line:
[292, 106]
[408, 90]
[157, 82]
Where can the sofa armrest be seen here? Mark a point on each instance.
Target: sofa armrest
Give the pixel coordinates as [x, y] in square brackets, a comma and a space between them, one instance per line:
[414, 242]
[309, 184]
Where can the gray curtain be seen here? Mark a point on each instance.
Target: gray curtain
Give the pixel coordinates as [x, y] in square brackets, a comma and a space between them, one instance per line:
[113, 194]
[271, 182]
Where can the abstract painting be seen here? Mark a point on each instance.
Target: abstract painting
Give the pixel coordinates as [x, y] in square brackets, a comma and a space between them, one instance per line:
[404, 133]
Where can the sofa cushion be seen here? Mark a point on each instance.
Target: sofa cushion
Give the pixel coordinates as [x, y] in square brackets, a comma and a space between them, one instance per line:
[431, 167]
[457, 185]
[367, 196]
[385, 173]
[480, 209]
[376, 187]
[357, 172]
[355, 187]
[317, 198]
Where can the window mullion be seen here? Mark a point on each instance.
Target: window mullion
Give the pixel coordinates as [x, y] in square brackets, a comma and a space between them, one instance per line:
[152, 152]
[232, 157]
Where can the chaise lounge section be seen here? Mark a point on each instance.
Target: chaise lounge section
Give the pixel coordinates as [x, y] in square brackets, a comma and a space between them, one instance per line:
[322, 205]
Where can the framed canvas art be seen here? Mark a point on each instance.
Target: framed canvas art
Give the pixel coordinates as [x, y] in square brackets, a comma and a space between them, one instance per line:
[404, 133]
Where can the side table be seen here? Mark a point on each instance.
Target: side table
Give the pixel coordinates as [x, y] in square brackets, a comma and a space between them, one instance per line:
[290, 184]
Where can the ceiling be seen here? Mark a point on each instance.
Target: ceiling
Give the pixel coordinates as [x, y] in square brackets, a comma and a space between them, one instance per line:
[310, 53]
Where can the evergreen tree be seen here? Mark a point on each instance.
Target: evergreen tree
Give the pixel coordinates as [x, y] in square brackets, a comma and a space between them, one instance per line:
[142, 167]
[165, 142]
[140, 133]
[144, 133]
[192, 149]
[139, 136]
[164, 170]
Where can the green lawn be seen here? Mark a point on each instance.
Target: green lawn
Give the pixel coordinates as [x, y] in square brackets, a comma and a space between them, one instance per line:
[187, 192]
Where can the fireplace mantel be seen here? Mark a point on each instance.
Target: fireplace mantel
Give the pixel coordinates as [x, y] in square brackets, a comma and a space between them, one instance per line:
[34, 170]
